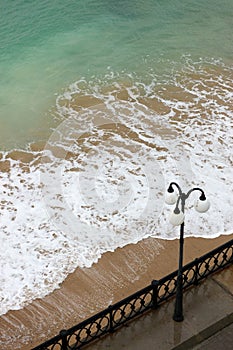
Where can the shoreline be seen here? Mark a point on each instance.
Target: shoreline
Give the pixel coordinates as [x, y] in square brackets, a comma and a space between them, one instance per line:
[89, 290]
[26, 225]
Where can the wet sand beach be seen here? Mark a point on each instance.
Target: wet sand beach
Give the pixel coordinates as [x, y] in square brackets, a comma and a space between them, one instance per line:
[89, 290]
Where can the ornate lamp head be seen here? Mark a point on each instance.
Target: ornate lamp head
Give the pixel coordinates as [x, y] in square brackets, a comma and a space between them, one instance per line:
[176, 217]
[171, 196]
[202, 204]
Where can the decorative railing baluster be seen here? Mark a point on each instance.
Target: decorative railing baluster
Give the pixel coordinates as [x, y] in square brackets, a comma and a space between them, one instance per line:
[155, 285]
[136, 304]
[111, 326]
[64, 344]
[196, 272]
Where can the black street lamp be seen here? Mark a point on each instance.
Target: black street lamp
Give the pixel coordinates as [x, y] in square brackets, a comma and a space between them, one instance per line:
[176, 219]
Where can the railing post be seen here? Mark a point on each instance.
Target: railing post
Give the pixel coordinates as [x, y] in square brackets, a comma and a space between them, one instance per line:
[155, 284]
[111, 327]
[196, 272]
[64, 342]
[231, 258]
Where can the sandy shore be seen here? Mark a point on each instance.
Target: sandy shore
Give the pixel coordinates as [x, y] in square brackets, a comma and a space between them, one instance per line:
[87, 291]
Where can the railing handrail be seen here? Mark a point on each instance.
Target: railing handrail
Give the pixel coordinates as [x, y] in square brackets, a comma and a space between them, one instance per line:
[198, 260]
[136, 296]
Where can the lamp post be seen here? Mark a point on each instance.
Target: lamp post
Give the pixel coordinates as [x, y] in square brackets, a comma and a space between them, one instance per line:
[176, 219]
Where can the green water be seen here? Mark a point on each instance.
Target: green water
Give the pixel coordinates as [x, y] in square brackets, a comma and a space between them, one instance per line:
[47, 45]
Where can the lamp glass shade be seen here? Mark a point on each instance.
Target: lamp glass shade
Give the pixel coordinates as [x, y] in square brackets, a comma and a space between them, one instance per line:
[176, 219]
[202, 205]
[171, 197]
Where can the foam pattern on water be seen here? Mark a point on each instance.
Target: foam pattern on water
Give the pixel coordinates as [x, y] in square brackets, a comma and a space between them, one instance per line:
[99, 183]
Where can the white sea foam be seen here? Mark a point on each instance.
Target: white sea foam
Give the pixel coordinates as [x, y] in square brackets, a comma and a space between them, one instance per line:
[99, 183]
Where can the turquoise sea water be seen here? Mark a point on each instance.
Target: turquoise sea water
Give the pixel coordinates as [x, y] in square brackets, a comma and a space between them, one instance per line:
[47, 45]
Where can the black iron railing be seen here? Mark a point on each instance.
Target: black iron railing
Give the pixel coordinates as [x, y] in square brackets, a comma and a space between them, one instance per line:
[149, 297]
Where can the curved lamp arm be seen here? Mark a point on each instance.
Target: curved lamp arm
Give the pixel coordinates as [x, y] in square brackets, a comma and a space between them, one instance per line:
[202, 204]
[202, 197]
[170, 188]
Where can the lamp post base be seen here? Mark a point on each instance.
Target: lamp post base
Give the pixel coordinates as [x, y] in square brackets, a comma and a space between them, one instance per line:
[178, 318]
